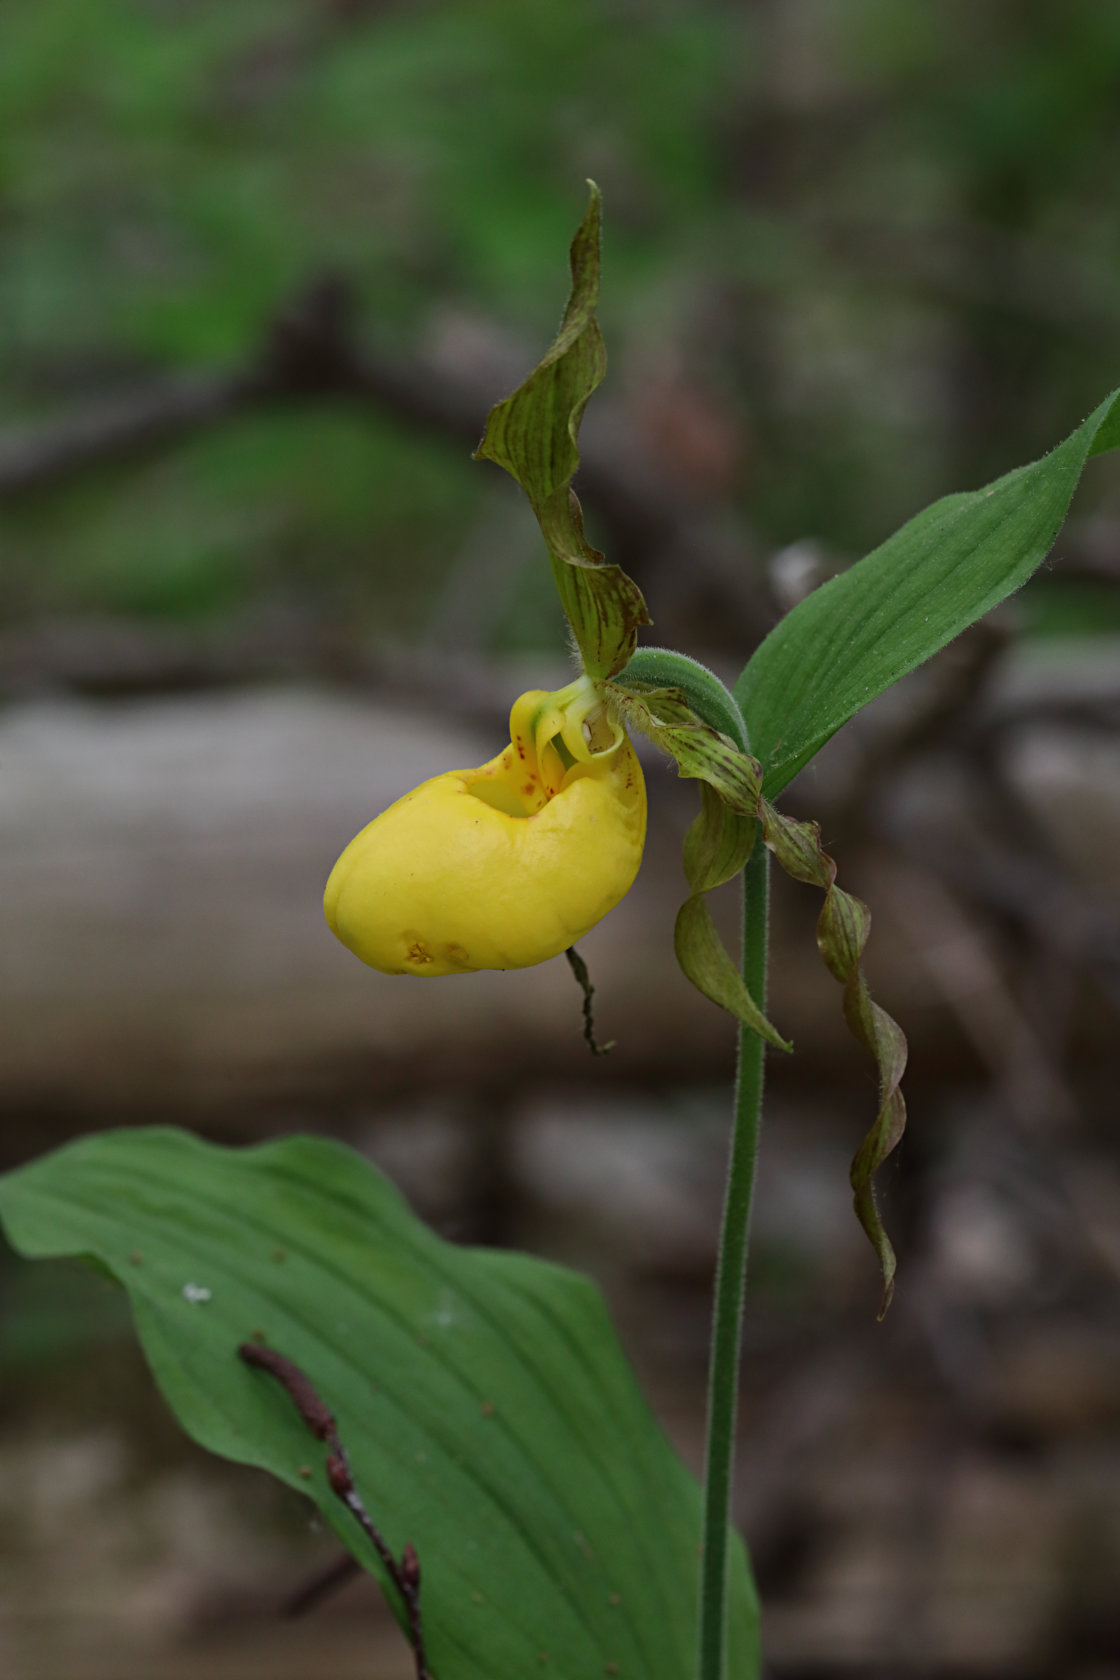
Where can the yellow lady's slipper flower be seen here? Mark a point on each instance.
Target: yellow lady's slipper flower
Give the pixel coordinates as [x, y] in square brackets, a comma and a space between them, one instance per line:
[506, 865]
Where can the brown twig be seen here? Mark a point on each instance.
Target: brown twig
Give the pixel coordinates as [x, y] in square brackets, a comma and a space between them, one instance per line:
[308, 353]
[311, 1592]
[313, 352]
[405, 1573]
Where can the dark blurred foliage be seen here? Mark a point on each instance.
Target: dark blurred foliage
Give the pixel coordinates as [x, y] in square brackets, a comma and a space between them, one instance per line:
[859, 252]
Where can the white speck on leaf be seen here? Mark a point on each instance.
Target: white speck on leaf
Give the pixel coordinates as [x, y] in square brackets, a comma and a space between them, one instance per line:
[195, 1293]
[445, 1315]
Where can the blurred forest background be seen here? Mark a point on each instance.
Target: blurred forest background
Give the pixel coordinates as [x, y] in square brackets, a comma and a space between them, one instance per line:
[264, 266]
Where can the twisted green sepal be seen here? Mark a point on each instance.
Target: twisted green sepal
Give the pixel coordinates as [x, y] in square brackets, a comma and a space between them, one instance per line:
[665, 716]
[720, 841]
[716, 848]
[698, 722]
[842, 932]
[533, 433]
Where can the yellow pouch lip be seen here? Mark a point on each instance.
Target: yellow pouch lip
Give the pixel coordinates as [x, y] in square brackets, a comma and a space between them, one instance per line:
[429, 889]
[514, 787]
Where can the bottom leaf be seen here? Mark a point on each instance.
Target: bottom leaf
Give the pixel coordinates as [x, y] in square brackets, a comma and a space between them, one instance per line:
[490, 1417]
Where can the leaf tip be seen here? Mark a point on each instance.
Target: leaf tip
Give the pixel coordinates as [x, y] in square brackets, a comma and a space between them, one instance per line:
[886, 1299]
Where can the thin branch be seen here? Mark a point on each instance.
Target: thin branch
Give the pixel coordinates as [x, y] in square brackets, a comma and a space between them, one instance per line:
[309, 353]
[324, 1582]
[313, 352]
[405, 1573]
[1035, 893]
[954, 680]
[120, 428]
[110, 657]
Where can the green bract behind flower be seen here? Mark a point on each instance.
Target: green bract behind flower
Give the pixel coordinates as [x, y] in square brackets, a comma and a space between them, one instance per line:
[505, 865]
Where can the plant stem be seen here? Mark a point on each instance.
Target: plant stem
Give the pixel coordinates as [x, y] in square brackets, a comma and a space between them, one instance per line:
[731, 1266]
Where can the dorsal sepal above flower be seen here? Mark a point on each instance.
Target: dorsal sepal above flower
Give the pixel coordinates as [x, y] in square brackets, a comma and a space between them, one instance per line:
[534, 434]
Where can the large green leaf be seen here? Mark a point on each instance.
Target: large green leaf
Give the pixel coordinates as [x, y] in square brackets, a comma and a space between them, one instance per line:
[861, 632]
[490, 1417]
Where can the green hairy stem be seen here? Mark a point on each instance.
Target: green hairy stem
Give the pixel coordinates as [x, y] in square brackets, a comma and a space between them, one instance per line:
[714, 704]
[731, 1267]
